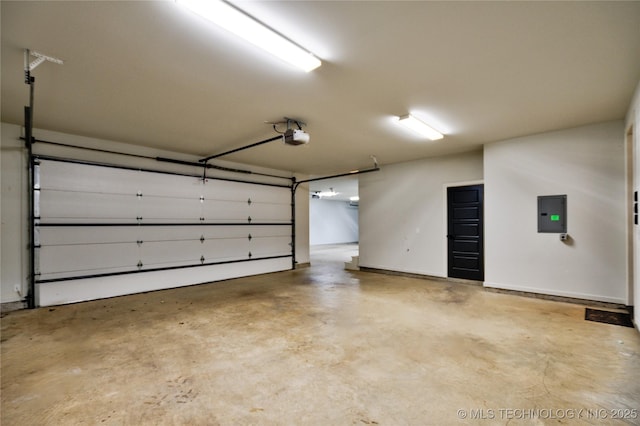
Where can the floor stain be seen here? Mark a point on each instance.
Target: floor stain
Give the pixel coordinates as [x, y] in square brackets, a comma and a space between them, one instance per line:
[319, 345]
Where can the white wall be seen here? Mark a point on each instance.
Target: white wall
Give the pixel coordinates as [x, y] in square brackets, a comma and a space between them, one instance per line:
[403, 212]
[587, 164]
[14, 264]
[332, 222]
[13, 202]
[403, 223]
[302, 222]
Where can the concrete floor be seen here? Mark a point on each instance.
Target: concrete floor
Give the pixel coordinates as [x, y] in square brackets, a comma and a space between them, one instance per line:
[317, 346]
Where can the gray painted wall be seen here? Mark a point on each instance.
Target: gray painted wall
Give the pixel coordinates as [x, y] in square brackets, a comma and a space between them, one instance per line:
[332, 222]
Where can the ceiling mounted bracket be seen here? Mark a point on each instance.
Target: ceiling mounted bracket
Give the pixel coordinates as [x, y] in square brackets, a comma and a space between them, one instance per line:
[288, 121]
[293, 120]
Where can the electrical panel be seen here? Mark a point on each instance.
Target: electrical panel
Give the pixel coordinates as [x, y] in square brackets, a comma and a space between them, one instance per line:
[552, 214]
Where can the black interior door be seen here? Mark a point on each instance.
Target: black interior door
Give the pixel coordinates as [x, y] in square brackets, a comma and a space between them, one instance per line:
[465, 232]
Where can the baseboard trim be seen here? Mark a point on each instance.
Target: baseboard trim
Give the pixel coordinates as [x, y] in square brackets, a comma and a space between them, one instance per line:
[492, 289]
[420, 276]
[591, 298]
[565, 299]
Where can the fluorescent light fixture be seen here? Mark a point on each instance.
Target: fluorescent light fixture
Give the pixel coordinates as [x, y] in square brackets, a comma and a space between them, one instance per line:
[418, 126]
[236, 21]
[355, 198]
[330, 193]
[323, 194]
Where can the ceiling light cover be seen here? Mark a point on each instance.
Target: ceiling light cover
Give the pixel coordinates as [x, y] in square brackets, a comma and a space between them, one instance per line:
[420, 127]
[234, 20]
[323, 194]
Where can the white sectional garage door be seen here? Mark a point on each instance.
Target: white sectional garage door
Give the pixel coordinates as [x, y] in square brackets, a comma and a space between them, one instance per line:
[103, 231]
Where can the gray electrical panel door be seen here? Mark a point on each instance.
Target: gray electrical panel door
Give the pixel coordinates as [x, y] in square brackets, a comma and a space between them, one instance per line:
[552, 213]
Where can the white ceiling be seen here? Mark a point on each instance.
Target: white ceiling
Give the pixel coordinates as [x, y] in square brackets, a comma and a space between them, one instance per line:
[153, 74]
[346, 187]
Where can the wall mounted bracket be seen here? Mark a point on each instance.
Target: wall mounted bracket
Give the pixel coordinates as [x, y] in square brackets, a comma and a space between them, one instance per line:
[40, 58]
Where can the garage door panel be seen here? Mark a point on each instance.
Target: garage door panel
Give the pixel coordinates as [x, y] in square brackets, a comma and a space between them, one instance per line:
[225, 211]
[167, 251]
[268, 246]
[98, 221]
[60, 206]
[271, 213]
[158, 184]
[57, 235]
[82, 259]
[86, 178]
[222, 250]
[170, 209]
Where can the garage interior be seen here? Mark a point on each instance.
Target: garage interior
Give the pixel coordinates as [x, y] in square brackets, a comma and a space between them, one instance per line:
[159, 175]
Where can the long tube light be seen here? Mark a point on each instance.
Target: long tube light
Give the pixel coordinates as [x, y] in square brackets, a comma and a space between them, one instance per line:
[420, 127]
[239, 23]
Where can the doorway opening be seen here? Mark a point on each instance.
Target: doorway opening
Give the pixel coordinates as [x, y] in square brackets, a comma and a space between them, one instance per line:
[333, 221]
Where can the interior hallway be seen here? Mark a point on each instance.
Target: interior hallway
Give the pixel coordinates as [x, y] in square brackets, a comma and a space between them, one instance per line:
[333, 253]
[319, 345]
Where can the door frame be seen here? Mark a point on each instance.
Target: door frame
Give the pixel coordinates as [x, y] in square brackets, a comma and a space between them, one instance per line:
[632, 238]
[445, 221]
